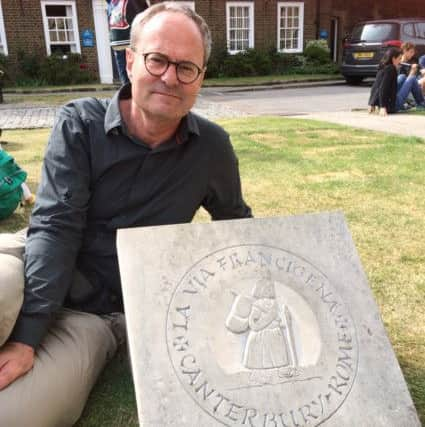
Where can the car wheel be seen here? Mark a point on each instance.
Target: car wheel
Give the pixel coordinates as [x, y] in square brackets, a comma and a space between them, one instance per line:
[353, 80]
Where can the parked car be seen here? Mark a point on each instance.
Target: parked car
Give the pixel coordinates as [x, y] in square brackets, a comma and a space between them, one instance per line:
[369, 40]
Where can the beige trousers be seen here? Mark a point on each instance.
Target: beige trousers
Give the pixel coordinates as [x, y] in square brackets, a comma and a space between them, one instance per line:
[67, 362]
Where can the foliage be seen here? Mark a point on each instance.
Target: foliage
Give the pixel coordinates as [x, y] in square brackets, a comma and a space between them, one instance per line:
[256, 62]
[317, 52]
[218, 55]
[4, 70]
[35, 70]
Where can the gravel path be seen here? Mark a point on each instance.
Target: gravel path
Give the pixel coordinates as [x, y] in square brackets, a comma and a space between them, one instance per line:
[30, 117]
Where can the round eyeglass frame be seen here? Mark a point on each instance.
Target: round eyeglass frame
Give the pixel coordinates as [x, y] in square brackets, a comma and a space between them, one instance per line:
[175, 63]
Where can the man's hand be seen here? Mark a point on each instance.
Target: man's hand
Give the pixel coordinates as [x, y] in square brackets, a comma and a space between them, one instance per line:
[16, 359]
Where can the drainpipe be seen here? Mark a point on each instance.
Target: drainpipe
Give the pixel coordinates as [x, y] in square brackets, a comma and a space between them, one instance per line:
[318, 18]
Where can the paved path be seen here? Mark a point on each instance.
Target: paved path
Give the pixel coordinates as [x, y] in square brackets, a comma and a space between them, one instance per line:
[36, 117]
[401, 124]
[26, 118]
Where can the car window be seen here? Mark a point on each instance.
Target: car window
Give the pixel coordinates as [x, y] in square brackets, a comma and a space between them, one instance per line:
[409, 30]
[374, 32]
[420, 30]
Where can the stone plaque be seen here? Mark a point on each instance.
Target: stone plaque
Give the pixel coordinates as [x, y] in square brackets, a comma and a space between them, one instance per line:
[257, 323]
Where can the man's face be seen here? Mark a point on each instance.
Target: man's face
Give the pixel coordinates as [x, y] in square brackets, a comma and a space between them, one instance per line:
[177, 37]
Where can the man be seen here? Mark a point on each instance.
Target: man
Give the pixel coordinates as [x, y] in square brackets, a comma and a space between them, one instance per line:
[141, 159]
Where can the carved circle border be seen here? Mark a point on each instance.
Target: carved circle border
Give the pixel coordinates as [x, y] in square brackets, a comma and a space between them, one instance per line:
[270, 247]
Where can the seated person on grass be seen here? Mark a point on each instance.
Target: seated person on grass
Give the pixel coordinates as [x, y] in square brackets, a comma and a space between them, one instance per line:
[384, 94]
[139, 159]
[407, 60]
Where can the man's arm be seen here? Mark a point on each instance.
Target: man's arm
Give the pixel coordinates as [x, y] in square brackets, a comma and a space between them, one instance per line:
[54, 238]
[224, 195]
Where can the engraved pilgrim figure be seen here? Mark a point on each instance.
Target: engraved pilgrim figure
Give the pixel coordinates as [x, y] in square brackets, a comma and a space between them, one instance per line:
[270, 340]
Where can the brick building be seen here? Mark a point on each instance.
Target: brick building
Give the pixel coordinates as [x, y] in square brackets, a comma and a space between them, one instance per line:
[46, 26]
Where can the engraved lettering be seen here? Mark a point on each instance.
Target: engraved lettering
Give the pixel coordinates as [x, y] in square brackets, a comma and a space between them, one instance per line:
[206, 274]
[344, 360]
[249, 259]
[250, 413]
[295, 422]
[221, 399]
[283, 421]
[184, 312]
[341, 321]
[192, 373]
[232, 411]
[180, 343]
[265, 259]
[280, 263]
[306, 413]
[288, 268]
[344, 337]
[324, 297]
[194, 283]
[205, 394]
[269, 349]
[270, 418]
[299, 271]
[222, 263]
[311, 279]
[335, 385]
[343, 371]
[236, 262]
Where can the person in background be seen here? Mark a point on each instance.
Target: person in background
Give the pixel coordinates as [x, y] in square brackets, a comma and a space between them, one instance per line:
[408, 52]
[384, 94]
[120, 16]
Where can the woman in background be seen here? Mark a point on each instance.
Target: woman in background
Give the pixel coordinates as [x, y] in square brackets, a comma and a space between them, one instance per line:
[384, 93]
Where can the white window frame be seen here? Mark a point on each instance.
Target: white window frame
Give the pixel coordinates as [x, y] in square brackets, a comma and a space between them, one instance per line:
[76, 43]
[250, 5]
[300, 6]
[190, 4]
[3, 32]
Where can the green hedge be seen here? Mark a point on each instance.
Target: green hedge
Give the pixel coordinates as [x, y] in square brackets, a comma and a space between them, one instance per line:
[36, 70]
[255, 62]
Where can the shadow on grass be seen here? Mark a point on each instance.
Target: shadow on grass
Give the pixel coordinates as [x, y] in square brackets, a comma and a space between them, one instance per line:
[415, 378]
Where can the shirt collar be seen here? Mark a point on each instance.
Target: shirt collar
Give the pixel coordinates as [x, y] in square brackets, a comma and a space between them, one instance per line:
[114, 122]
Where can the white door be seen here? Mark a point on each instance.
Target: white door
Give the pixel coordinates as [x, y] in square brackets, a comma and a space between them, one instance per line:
[102, 41]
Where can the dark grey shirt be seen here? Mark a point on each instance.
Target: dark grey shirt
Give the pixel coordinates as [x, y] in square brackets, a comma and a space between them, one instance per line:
[95, 179]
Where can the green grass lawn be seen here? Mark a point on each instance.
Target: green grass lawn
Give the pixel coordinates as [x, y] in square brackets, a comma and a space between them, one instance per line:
[291, 166]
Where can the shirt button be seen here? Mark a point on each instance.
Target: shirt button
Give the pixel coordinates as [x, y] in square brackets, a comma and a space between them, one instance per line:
[113, 298]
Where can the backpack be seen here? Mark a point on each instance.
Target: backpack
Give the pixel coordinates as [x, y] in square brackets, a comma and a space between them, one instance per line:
[11, 178]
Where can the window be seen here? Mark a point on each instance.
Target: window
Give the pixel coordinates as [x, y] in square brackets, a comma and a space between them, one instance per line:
[240, 26]
[60, 27]
[290, 26]
[190, 4]
[420, 30]
[409, 30]
[3, 44]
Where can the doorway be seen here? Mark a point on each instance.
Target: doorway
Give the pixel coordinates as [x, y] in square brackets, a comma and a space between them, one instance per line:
[334, 39]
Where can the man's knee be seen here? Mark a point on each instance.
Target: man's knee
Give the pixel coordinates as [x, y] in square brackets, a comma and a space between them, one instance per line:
[11, 293]
[13, 243]
[67, 364]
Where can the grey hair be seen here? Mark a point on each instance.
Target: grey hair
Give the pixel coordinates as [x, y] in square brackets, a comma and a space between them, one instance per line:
[170, 6]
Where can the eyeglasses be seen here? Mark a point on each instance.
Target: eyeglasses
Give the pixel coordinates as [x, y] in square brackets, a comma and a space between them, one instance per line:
[157, 64]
